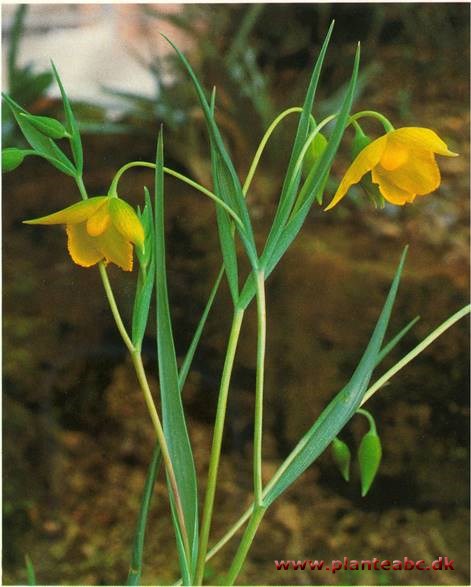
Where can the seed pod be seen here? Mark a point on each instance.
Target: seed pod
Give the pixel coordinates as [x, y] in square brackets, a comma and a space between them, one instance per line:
[342, 457]
[369, 457]
[314, 152]
[12, 158]
[48, 126]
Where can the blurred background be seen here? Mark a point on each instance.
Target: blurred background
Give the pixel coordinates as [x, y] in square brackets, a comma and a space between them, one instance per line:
[76, 436]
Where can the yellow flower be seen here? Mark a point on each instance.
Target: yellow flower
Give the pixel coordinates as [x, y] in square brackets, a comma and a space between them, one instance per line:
[100, 228]
[402, 163]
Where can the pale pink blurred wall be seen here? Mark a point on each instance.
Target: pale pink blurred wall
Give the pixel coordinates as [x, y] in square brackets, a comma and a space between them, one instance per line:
[95, 44]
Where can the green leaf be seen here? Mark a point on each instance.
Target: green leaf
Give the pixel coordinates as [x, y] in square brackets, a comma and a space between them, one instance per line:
[146, 277]
[185, 367]
[30, 571]
[340, 410]
[75, 141]
[293, 175]
[135, 570]
[43, 145]
[394, 341]
[369, 457]
[12, 158]
[226, 182]
[225, 228]
[275, 248]
[174, 423]
[342, 457]
[316, 178]
[48, 126]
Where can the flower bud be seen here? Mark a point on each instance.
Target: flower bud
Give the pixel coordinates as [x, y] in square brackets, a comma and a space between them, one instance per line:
[360, 141]
[369, 457]
[342, 456]
[47, 126]
[12, 158]
[314, 152]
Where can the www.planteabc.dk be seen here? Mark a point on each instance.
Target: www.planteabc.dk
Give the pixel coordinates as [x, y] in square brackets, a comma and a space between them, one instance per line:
[442, 563]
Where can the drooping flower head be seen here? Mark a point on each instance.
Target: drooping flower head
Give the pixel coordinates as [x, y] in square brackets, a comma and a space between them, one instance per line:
[402, 164]
[102, 228]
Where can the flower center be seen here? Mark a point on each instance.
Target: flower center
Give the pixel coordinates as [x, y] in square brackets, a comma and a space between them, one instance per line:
[393, 157]
[99, 221]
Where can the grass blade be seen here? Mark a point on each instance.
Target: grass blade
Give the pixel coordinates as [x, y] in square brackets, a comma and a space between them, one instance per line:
[174, 423]
[30, 570]
[340, 409]
[135, 570]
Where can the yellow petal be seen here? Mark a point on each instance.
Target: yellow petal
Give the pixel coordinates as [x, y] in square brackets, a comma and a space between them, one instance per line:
[73, 214]
[115, 248]
[365, 161]
[126, 221]
[99, 221]
[421, 138]
[81, 246]
[389, 190]
[420, 175]
[395, 154]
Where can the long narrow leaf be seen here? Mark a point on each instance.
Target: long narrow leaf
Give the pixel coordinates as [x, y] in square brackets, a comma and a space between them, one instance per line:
[225, 175]
[146, 277]
[225, 228]
[185, 367]
[174, 423]
[341, 408]
[273, 253]
[43, 145]
[135, 570]
[416, 351]
[276, 248]
[75, 141]
[293, 176]
[156, 462]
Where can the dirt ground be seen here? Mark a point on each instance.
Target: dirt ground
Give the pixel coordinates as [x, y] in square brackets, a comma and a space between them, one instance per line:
[76, 435]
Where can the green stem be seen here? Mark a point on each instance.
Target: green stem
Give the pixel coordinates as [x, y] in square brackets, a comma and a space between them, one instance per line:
[217, 443]
[81, 187]
[370, 419]
[373, 114]
[114, 308]
[259, 385]
[114, 184]
[264, 141]
[245, 545]
[415, 351]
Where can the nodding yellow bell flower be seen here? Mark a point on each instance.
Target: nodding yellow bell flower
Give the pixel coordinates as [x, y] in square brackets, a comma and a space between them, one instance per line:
[402, 164]
[102, 228]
